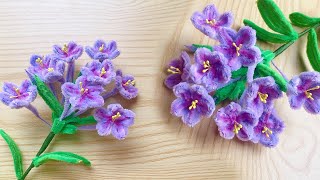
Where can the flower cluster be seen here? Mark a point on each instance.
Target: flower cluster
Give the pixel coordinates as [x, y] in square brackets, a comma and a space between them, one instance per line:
[86, 91]
[235, 69]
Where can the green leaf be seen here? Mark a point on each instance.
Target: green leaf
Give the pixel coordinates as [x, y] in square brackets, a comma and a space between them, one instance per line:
[203, 46]
[274, 18]
[265, 70]
[313, 50]
[267, 36]
[302, 20]
[267, 56]
[239, 73]
[223, 93]
[16, 154]
[48, 96]
[83, 121]
[69, 129]
[238, 90]
[67, 157]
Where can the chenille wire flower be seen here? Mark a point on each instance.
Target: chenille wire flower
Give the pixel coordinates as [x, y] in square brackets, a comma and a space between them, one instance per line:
[99, 73]
[102, 50]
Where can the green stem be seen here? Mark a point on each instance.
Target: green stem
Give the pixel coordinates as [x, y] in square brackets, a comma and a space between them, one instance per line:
[282, 48]
[44, 146]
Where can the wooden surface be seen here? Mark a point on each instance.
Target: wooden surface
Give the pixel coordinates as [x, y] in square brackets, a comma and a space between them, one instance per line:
[149, 34]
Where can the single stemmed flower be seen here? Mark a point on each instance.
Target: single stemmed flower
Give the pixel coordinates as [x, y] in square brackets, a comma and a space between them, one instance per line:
[81, 95]
[68, 53]
[232, 121]
[193, 102]
[179, 70]
[210, 69]
[99, 73]
[210, 22]
[47, 68]
[239, 47]
[260, 95]
[268, 129]
[102, 50]
[304, 90]
[114, 120]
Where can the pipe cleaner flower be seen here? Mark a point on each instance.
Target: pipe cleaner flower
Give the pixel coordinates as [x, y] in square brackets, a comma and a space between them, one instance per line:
[179, 70]
[210, 22]
[102, 50]
[99, 73]
[210, 69]
[260, 94]
[46, 68]
[125, 84]
[304, 89]
[192, 103]
[232, 120]
[18, 96]
[82, 95]
[114, 120]
[69, 52]
[268, 129]
[239, 47]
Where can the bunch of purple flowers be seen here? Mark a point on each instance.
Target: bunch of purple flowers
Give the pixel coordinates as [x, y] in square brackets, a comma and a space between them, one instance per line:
[78, 95]
[235, 70]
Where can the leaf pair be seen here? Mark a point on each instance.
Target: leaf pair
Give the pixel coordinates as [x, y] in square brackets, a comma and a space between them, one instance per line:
[275, 19]
[67, 157]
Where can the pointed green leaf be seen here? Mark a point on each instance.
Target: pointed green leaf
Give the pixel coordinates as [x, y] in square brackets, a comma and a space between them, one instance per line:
[16, 154]
[313, 50]
[47, 96]
[83, 121]
[67, 157]
[267, 36]
[302, 20]
[239, 73]
[202, 46]
[274, 18]
[238, 90]
[267, 56]
[223, 93]
[69, 129]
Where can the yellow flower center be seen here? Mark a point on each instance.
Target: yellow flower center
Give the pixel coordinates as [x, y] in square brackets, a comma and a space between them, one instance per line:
[266, 131]
[50, 69]
[39, 61]
[101, 48]
[174, 70]
[18, 93]
[83, 90]
[65, 48]
[114, 117]
[103, 71]
[309, 94]
[193, 105]
[206, 66]
[237, 127]
[263, 97]
[211, 22]
[237, 48]
[130, 82]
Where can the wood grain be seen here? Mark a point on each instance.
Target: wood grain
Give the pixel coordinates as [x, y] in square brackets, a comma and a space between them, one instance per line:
[159, 146]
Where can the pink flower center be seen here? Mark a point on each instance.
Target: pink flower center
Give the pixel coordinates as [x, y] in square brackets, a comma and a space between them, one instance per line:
[266, 131]
[174, 70]
[116, 116]
[206, 66]
[309, 94]
[236, 127]
[237, 48]
[263, 97]
[193, 104]
[211, 22]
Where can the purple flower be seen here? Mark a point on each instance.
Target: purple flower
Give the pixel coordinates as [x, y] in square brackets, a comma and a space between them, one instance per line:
[304, 89]
[179, 70]
[102, 50]
[126, 85]
[210, 22]
[47, 68]
[114, 119]
[239, 47]
[69, 52]
[268, 129]
[99, 73]
[82, 95]
[232, 120]
[192, 103]
[17, 97]
[210, 69]
[260, 94]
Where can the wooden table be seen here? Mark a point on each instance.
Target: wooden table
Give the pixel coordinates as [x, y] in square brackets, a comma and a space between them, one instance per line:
[149, 34]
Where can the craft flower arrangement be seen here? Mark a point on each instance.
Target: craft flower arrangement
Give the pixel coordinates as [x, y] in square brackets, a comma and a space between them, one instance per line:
[237, 71]
[77, 96]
